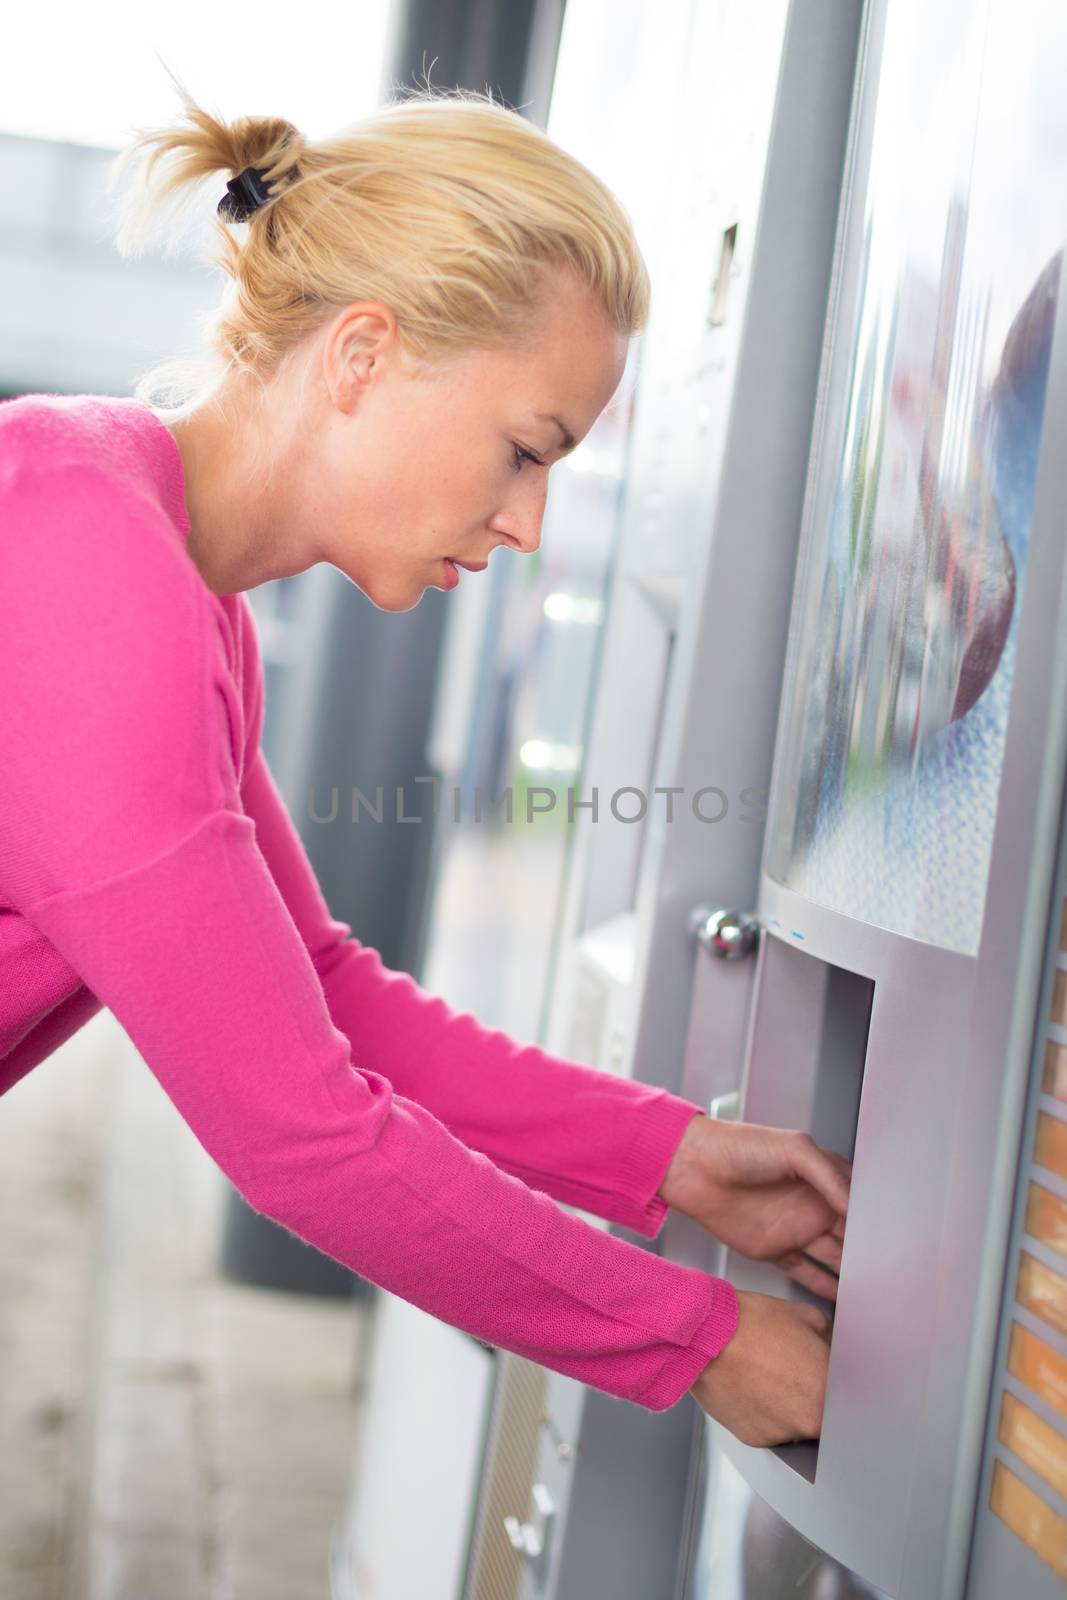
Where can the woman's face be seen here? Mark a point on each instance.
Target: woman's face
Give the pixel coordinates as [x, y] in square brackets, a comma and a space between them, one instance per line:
[405, 469]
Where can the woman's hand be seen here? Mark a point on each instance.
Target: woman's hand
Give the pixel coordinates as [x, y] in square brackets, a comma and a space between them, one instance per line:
[773, 1195]
[768, 1384]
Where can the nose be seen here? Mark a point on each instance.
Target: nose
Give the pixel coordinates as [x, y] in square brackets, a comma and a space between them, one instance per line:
[520, 521]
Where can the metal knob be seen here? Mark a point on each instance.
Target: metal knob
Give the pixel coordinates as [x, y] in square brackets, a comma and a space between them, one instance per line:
[726, 934]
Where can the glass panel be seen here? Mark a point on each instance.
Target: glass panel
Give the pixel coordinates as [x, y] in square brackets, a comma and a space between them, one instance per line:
[1058, 1008]
[1038, 1366]
[1029, 1517]
[1046, 1218]
[1042, 1448]
[1042, 1291]
[908, 607]
[1050, 1144]
[1055, 1079]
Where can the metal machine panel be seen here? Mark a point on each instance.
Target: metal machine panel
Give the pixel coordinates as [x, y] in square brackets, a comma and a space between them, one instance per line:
[919, 772]
[709, 523]
[1020, 1543]
[748, 1552]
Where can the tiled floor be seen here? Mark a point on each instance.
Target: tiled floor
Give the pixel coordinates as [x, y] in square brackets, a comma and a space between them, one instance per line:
[165, 1434]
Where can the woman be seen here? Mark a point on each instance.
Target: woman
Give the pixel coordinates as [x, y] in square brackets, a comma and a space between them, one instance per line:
[426, 312]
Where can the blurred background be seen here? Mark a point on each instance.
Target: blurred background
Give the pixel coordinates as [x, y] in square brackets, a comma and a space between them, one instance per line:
[182, 1378]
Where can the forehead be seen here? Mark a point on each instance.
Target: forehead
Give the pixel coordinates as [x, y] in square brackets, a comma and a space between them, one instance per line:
[570, 366]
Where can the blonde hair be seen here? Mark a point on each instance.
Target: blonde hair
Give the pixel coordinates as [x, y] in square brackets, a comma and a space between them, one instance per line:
[445, 206]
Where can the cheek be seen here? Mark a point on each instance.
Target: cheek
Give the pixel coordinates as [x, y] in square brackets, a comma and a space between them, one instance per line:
[458, 489]
[440, 485]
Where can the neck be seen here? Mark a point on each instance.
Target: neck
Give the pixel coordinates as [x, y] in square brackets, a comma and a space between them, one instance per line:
[236, 491]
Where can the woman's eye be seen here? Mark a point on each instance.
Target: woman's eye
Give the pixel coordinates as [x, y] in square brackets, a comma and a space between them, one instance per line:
[521, 455]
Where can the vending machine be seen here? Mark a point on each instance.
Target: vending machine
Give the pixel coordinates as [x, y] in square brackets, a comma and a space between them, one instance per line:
[673, 795]
[851, 676]
[908, 971]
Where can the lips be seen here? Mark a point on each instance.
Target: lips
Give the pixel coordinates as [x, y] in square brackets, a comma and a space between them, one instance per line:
[468, 566]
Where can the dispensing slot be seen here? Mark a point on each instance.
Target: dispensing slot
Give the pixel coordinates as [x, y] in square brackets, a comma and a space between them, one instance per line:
[839, 1078]
[805, 1070]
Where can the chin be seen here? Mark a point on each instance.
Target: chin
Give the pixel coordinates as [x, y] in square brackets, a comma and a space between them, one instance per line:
[389, 597]
[396, 599]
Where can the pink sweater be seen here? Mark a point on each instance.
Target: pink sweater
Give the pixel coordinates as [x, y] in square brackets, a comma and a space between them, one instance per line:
[147, 864]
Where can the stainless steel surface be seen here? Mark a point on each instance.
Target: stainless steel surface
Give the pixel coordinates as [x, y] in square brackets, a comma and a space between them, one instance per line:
[729, 935]
[919, 772]
[1020, 1537]
[748, 1552]
[759, 112]
[1020, 1541]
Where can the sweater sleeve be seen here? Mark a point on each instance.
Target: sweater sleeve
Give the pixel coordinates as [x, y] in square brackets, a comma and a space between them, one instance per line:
[124, 842]
[582, 1135]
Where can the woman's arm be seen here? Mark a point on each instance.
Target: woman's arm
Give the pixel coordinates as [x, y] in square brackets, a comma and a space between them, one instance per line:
[196, 955]
[124, 842]
[582, 1135]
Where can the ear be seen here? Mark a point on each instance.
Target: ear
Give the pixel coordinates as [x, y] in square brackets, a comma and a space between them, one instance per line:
[356, 343]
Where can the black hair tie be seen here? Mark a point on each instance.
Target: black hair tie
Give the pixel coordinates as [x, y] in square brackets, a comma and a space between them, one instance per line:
[244, 194]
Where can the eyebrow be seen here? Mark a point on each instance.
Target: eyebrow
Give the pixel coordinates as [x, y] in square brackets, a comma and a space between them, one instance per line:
[568, 437]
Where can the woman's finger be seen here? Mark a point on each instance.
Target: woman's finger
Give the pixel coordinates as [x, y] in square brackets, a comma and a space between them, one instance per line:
[826, 1250]
[817, 1169]
[809, 1274]
[845, 1169]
